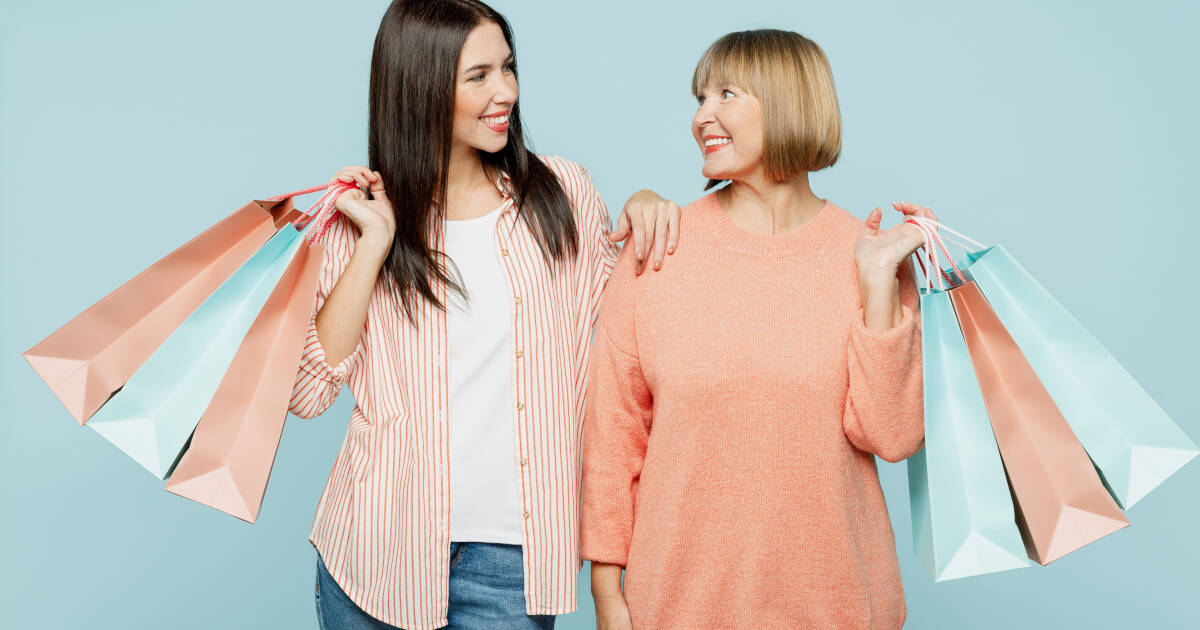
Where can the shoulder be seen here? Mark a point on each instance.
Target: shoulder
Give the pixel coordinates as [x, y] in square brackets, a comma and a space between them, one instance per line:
[586, 204]
[843, 218]
[696, 213]
[843, 223]
[619, 300]
[699, 206]
[572, 176]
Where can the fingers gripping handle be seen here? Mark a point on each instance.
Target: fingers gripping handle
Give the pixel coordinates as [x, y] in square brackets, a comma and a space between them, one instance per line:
[322, 213]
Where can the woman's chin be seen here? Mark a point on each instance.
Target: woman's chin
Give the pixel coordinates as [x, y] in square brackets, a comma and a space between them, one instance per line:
[713, 173]
[492, 147]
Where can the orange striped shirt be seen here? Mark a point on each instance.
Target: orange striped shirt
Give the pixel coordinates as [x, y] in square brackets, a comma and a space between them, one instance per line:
[382, 523]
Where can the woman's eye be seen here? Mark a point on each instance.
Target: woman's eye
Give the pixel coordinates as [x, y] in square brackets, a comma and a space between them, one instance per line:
[509, 67]
[477, 78]
[726, 94]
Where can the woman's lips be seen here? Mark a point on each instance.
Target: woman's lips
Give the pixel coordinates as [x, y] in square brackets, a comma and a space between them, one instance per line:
[497, 122]
[716, 143]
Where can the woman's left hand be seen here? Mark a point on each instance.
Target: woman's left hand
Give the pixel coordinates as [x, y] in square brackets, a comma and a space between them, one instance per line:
[879, 253]
[654, 224]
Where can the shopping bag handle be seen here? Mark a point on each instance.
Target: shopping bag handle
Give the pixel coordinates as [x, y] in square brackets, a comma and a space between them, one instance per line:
[319, 216]
[926, 253]
[922, 254]
[929, 227]
[962, 240]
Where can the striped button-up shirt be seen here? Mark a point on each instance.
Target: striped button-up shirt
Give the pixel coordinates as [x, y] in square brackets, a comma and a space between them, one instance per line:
[382, 523]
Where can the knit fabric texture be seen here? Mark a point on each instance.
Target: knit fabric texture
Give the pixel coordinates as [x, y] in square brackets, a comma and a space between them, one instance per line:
[735, 407]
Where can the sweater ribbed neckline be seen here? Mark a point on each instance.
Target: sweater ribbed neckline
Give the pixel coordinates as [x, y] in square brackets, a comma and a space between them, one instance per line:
[790, 243]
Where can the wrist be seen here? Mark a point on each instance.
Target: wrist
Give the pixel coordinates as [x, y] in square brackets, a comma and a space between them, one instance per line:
[876, 283]
[606, 582]
[374, 242]
[877, 269]
[602, 596]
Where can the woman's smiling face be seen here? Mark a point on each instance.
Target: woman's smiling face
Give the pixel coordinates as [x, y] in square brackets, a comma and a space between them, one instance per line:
[728, 127]
[485, 90]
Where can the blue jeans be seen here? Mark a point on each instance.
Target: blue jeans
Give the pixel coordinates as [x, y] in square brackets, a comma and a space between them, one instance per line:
[487, 592]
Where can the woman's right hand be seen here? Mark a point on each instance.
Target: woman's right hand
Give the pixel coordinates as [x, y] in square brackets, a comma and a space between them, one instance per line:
[612, 613]
[374, 216]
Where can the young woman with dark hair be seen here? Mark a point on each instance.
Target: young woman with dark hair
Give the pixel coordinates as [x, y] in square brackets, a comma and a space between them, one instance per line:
[457, 299]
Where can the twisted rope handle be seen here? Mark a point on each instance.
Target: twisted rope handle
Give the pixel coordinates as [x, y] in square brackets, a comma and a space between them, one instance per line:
[322, 213]
[929, 227]
[933, 228]
[964, 241]
[927, 250]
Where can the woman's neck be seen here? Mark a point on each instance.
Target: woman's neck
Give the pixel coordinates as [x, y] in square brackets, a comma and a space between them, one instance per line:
[761, 205]
[466, 169]
[470, 191]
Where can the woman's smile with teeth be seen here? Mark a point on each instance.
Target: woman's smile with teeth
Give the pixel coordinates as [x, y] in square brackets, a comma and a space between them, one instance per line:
[713, 143]
[496, 122]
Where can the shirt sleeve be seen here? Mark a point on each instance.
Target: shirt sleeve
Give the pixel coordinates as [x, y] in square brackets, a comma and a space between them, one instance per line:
[600, 252]
[884, 407]
[616, 426]
[597, 257]
[318, 383]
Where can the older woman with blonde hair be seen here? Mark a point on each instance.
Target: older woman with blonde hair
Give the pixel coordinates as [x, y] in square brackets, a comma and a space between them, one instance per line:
[738, 397]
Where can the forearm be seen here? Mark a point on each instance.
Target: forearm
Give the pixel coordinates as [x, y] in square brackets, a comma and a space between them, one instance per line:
[884, 405]
[606, 581]
[881, 300]
[341, 319]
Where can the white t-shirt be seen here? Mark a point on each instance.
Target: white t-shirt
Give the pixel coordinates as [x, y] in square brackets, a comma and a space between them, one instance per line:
[485, 488]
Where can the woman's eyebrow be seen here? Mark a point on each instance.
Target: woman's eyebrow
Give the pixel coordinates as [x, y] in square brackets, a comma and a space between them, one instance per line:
[485, 66]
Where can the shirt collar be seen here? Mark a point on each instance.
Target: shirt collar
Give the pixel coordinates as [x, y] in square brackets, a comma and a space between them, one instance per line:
[504, 183]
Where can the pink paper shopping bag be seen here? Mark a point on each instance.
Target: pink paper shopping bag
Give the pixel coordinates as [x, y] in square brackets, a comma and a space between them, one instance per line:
[93, 355]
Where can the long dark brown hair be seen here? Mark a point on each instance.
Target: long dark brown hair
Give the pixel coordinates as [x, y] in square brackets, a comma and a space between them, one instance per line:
[413, 76]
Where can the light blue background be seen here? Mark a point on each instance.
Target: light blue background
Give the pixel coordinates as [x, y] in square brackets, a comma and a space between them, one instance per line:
[1066, 131]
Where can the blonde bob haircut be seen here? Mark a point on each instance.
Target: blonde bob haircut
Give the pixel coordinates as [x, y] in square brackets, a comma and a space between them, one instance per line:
[789, 74]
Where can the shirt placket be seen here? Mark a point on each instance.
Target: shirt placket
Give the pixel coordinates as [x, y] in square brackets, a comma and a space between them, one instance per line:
[441, 438]
[504, 245]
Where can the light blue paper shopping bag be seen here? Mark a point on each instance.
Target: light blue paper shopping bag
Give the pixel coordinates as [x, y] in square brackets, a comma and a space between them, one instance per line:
[152, 417]
[1132, 441]
[963, 519]
[1134, 445]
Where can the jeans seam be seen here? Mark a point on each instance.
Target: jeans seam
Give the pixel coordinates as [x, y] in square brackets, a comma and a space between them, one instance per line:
[317, 596]
[457, 557]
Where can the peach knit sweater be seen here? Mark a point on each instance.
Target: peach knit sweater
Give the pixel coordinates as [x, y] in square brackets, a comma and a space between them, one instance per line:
[735, 405]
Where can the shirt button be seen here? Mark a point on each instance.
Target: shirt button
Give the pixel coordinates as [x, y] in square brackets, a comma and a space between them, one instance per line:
[441, 415]
[441, 469]
[520, 406]
[517, 300]
[504, 252]
[520, 354]
[524, 461]
[527, 514]
[442, 523]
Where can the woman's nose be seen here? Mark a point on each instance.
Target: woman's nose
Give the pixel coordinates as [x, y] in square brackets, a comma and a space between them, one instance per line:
[506, 94]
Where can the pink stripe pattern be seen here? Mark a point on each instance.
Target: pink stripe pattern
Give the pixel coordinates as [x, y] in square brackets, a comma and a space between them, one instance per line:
[382, 522]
